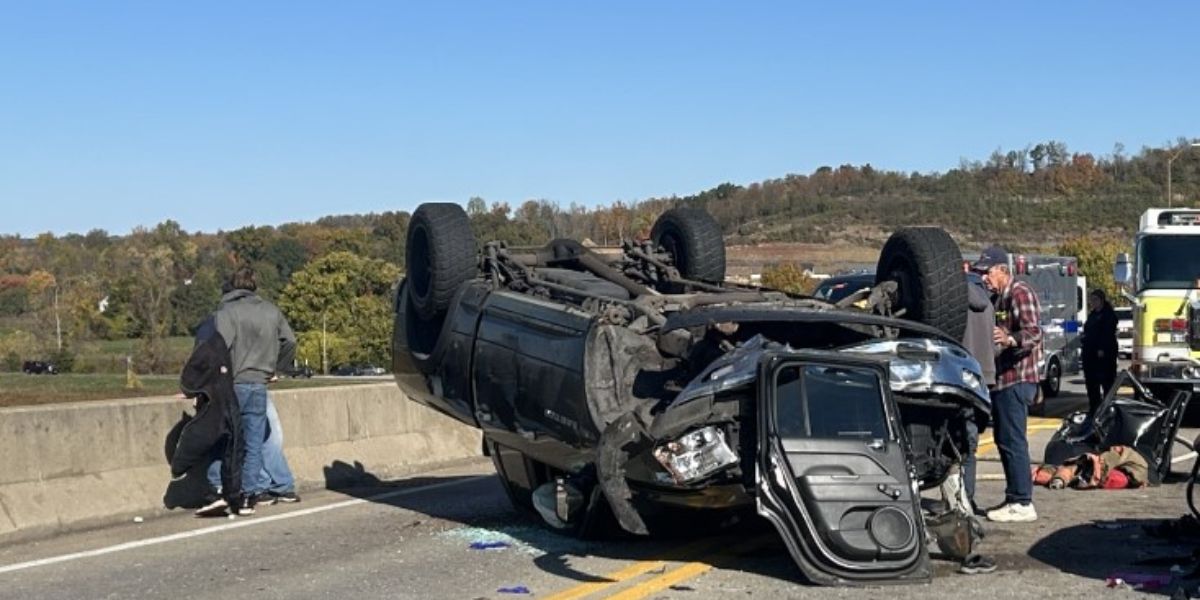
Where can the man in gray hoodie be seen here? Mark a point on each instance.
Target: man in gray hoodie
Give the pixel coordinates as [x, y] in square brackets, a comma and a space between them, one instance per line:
[981, 319]
[261, 343]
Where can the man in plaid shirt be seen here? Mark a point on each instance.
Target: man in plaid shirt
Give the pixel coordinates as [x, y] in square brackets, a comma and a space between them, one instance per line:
[1018, 340]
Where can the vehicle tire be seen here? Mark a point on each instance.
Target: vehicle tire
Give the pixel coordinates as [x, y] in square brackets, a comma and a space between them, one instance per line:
[927, 265]
[1053, 383]
[693, 239]
[517, 486]
[441, 255]
[528, 474]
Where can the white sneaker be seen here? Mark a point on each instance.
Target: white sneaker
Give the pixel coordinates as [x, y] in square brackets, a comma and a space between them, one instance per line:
[1013, 513]
[215, 508]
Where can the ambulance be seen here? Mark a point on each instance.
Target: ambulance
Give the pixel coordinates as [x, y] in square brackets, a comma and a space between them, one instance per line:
[1062, 294]
[1161, 281]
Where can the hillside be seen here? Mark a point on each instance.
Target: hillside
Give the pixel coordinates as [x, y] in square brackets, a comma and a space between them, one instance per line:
[68, 294]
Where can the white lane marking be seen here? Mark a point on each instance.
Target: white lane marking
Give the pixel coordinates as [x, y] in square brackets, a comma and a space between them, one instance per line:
[1188, 456]
[247, 522]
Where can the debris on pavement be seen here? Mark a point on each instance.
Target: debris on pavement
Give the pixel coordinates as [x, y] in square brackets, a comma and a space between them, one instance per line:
[490, 545]
[1138, 581]
[519, 589]
[977, 564]
[533, 540]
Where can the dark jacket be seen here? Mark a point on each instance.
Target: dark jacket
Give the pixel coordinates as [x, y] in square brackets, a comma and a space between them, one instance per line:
[977, 339]
[260, 340]
[208, 378]
[1100, 337]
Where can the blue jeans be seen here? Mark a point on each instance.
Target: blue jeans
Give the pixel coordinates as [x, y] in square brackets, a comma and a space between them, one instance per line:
[1010, 412]
[278, 474]
[260, 421]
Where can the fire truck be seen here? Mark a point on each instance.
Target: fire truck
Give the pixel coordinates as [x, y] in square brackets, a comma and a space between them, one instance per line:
[1161, 281]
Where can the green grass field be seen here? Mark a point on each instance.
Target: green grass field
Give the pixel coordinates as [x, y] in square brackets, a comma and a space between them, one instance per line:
[108, 356]
[18, 389]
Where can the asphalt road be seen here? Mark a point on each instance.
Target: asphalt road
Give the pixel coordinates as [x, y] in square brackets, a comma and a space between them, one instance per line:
[412, 539]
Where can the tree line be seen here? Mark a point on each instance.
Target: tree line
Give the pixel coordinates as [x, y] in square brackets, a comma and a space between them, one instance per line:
[334, 278]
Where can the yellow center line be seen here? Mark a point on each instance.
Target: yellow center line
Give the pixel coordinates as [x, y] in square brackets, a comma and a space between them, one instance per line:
[684, 572]
[591, 587]
[662, 582]
[988, 442]
[636, 569]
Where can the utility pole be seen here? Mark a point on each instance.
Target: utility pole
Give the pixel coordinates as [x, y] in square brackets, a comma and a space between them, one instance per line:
[324, 352]
[57, 320]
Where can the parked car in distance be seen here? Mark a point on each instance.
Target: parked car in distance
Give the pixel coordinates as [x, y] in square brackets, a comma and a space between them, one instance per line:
[355, 370]
[839, 286]
[39, 367]
[1124, 331]
[303, 371]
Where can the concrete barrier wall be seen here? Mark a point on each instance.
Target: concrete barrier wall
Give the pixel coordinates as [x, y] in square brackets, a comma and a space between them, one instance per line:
[82, 464]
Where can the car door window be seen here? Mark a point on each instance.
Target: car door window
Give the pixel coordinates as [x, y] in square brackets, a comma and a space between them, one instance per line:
[830, 402]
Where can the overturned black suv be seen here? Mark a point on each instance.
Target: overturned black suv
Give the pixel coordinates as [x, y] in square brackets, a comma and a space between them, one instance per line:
[626, 386]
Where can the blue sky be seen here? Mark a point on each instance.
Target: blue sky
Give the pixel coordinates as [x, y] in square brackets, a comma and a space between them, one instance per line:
[220, 115]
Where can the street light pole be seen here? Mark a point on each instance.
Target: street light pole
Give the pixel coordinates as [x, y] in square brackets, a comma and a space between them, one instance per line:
[1170, 160]
[57, 320]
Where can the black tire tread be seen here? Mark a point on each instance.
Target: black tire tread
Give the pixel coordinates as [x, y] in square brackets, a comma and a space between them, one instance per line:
[1048, 387]
[703, 242]
[452, 250]
[942, 298]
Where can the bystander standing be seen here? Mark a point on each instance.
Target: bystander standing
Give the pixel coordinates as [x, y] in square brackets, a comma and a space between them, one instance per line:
[1017, 336]
[1099, 349]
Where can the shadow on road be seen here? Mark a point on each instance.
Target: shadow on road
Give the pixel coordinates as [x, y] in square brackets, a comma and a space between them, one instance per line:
[1119, 548]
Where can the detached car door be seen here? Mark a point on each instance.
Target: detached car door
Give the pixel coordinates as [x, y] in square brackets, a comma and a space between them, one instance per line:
[832, 469]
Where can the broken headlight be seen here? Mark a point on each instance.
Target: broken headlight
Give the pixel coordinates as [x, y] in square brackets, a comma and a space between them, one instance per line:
[696, 455]
[973, 381]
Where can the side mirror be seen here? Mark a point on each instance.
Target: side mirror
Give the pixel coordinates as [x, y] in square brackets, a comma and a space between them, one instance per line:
[1123, 270]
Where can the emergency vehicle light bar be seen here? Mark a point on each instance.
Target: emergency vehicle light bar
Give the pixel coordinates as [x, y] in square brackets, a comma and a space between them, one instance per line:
[1179, 218]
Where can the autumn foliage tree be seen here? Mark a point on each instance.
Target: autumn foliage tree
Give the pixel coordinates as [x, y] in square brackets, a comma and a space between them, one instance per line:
[1096, 259]
[347, 295]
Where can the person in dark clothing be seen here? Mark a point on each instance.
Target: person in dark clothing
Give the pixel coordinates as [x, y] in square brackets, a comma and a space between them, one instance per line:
[1099, 349]
[216, 428]
[977, 339]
